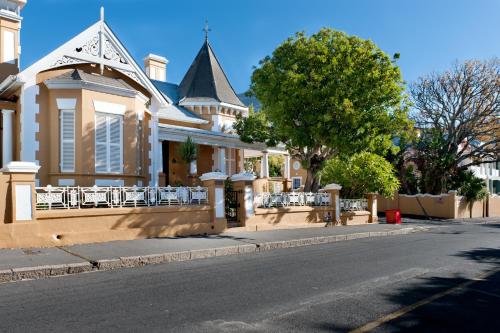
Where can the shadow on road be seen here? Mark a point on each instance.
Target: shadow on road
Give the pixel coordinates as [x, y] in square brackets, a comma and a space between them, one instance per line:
[470, 308]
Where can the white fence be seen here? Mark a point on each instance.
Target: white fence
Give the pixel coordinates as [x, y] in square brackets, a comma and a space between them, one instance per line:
[347, 205]
[111, 197]
[285, 199]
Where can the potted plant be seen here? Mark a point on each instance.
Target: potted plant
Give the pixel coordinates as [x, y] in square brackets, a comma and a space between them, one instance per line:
[189, 153]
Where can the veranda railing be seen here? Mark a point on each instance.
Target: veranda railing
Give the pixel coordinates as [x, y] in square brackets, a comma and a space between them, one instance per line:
[112, 197]
[284, 199]
[353, 204]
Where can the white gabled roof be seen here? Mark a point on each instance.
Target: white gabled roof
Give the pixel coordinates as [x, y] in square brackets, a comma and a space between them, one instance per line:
[97, 44]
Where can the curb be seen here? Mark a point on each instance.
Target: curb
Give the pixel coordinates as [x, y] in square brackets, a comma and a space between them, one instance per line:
[40, 272]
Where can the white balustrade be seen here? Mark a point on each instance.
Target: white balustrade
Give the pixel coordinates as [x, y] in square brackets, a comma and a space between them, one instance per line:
[111, 197]
[353, 204]
[285, 199]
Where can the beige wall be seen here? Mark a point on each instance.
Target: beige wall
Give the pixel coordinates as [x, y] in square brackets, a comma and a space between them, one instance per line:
[136, 163]
[65, 227]
[494, 206]
[286, 217]
[7, 69]
[447, 206]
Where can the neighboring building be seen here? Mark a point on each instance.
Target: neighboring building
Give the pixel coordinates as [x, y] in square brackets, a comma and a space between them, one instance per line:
[88, 114]
[490, 172]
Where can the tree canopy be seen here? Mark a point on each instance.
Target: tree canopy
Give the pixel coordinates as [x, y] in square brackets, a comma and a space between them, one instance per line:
[326, 95]
[361, 174]
[457, 112]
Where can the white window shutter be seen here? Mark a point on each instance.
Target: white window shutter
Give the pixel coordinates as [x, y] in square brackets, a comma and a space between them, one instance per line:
[108, 143]
[67, 140]
[101, 144]
[115, 144]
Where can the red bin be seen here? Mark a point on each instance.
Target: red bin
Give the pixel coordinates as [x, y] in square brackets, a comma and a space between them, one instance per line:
[393, 216]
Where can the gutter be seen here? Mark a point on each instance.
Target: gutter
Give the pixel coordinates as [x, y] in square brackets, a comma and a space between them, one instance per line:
[8, 83]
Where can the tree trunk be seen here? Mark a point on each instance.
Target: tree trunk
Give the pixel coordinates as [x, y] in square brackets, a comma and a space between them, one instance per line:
[312, 181]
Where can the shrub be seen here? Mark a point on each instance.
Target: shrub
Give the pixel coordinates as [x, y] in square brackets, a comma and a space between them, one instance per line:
[360, 174]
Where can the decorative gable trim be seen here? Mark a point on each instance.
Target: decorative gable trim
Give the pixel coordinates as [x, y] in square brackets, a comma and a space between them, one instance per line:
[97, 44]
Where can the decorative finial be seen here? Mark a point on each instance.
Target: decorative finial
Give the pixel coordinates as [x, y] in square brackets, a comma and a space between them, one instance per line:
[206, 29]
[102, 13]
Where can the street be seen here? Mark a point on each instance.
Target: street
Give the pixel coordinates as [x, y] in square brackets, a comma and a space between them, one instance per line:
[441, 280]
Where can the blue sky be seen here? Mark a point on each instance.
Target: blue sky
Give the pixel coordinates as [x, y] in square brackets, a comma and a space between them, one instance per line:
[429, 34]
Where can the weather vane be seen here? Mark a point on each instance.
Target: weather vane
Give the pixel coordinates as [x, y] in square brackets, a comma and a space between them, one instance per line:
[206, 29]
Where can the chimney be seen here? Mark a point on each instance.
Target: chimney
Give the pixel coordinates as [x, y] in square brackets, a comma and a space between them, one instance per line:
[156, 67]
[10, 46]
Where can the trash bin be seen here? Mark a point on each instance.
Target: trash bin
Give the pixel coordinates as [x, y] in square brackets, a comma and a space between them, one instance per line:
[393, 216]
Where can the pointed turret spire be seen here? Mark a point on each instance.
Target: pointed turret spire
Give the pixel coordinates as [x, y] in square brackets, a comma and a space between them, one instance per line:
[205, 80]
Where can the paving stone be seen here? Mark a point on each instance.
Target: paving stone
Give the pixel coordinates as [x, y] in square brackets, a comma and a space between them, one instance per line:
[6, 275]
[134, 261]
[247, 248]
[80, 268]
[30, 273]
[340, 238]
[267, 246]
[107, 264]
[152, 259]
[57, 270]
[378, 233]
[201, 254]
[226, 251]
[177, 256]
[357, 235]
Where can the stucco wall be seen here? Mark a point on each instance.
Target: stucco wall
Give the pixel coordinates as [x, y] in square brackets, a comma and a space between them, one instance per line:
[135, 161]
[494, 206]
[285, 217]
[64, 227]
[447, 205]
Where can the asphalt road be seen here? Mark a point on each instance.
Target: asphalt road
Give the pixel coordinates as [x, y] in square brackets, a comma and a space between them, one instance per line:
[445, 280]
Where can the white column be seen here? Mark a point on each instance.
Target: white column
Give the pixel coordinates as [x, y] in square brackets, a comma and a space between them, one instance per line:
[7, 137]
[287, 166]
[241, 160]
[155, 149]
[264, 165]
[221, 156]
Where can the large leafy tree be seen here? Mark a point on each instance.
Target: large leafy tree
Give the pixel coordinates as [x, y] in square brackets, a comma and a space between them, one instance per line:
[326, 95]
[458, 113]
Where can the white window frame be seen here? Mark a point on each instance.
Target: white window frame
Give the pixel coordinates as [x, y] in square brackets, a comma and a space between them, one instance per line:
[9, 47]
[108, 143]
[62, 142]
[229, 159]
[293, 183]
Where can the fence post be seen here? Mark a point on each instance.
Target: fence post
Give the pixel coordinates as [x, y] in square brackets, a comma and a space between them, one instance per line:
[334, 191]
[372, 207]
[214, 181]
[22, 190]
[243, 183]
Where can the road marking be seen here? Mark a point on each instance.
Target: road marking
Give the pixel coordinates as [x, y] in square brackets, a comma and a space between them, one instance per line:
[396, 314]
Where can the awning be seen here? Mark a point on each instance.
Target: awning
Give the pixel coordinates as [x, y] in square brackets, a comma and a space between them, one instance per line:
[204, 137]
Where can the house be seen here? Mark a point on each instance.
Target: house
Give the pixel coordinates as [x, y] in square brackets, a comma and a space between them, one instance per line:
[88, 114]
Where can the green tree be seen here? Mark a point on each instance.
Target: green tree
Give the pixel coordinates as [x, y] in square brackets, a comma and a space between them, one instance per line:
[361, 174]
[471, 187]
[188, 152]
[326, 95]
[275, 165]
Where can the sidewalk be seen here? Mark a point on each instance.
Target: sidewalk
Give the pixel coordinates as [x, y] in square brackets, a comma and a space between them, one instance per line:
[20, 264]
